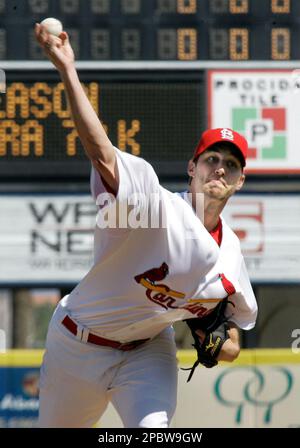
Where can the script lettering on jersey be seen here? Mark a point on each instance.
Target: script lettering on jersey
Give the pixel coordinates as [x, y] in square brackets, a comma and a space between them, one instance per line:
[161, 299]
[164, 296]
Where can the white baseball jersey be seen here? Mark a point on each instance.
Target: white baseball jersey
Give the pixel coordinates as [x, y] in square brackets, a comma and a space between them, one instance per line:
[156, 263]
[243, 307]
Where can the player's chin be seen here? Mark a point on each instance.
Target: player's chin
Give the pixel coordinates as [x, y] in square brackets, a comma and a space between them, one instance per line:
[215, 191]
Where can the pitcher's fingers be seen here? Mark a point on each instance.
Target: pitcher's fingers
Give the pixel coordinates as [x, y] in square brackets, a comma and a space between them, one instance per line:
[37, 30]
[41, 33]
[44, 35]
[64, 36]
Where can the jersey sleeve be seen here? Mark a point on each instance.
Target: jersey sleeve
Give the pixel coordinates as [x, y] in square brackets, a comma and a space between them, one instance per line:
[138, 186]
[244, 311]
[135, 174]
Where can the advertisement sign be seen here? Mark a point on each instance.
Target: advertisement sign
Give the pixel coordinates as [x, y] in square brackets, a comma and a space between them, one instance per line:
[264, 106]
[268, 229]
[46, 238]
[49, 238]
[242, 396]
[19, 402]
[258, 390]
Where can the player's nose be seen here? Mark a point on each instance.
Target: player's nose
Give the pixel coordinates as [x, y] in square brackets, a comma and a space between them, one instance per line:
[220, 171]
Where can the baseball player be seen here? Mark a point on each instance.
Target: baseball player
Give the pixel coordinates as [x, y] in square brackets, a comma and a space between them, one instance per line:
[111, 338]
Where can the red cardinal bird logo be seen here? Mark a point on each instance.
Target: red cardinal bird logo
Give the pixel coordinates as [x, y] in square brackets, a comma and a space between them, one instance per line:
[149, 278]
[154, 274]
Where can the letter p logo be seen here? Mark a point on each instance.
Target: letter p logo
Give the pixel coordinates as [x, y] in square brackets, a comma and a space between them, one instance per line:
[259, 133]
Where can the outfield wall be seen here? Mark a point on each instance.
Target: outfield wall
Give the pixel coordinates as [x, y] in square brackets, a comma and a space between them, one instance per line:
[260, 389]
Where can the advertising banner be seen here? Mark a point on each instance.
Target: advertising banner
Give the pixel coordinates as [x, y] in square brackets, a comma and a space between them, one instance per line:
[264, 106]
[259, 390]
[46, 238]
[268, 229]
[241, 396]
[18, 397]
[50, 238]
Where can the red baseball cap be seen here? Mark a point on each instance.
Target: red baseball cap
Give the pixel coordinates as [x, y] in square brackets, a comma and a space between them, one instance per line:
[212, 136]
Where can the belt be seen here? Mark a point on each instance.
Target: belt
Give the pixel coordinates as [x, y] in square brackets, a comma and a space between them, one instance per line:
[95, 339]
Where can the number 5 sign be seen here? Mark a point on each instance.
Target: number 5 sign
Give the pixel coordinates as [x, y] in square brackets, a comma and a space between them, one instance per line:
[246, 220]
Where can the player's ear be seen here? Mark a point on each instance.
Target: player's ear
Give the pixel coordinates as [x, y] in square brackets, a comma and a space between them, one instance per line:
[191, 168]
[240, 182]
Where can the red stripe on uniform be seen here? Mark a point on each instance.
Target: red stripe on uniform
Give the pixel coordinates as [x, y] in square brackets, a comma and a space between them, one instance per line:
[227, 285]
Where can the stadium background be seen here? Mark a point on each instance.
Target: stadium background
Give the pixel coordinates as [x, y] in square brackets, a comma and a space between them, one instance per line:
[159, 72]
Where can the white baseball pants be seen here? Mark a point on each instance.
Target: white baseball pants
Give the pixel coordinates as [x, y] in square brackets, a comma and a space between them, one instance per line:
[78, 380]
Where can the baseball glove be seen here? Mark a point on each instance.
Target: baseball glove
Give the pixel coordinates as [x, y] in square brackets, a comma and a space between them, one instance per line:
[215, 327]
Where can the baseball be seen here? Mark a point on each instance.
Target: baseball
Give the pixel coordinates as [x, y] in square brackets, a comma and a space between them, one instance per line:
[53, 26]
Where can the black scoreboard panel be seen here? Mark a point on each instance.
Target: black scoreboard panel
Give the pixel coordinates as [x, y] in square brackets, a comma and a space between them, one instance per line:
[185, 30]
[158, 116]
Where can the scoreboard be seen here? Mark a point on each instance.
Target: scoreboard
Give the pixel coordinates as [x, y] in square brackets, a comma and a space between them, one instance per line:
[158, 30]
[156, 115]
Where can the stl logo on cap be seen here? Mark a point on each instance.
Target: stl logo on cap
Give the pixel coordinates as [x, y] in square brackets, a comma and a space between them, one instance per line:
[227, 133]
[211, 137]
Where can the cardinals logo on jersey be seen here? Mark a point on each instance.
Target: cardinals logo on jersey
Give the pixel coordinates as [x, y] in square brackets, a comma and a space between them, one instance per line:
[163, 295]
[159, 293]
[154, 274]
